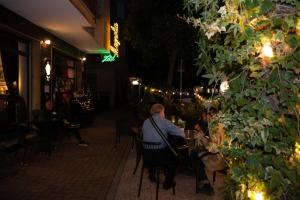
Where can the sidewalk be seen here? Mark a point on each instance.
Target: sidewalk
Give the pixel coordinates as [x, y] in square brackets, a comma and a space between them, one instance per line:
[72, 172]
[97, 172]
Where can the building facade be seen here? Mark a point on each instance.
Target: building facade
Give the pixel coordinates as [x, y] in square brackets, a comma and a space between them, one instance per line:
[43, 45]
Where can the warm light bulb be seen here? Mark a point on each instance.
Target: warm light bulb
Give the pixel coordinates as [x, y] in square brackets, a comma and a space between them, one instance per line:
[224, 86]
[267, 50]
[135, 82]
[83, 59]
[253, 195]
[47, 41]
[258, 196]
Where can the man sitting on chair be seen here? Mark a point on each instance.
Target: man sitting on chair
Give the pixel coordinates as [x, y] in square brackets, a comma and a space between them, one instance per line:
[163, 155]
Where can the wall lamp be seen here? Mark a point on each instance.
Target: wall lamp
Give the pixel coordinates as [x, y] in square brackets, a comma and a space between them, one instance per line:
[48, 70]
[46, 42]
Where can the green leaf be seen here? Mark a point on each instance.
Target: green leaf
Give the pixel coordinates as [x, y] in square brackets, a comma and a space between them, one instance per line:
[264, 136]
[254, 159]
[249, 31]
[267, 160]
[277, 21]
[249, 4]
[292, 40]
[263, 23]
[266, 6]
[241, 101]
[298, 5]
[268, 147]
[276, 180]
[237, 173]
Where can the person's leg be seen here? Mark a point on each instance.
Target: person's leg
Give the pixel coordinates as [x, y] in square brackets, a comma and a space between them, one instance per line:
[171, 163]
[202, 175]
[170, 175]
[152, 171]
[77, 135]
[204, 186]
[81, 142]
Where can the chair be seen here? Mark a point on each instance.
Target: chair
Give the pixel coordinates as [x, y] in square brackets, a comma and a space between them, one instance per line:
[122, 128]
[213, 162]
[147, 149]
[138, 148]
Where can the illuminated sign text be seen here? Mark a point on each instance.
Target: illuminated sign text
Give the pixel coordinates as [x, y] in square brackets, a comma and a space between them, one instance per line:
[108, 58]
[115, 47]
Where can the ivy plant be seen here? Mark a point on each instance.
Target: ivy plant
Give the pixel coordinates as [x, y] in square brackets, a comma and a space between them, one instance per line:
[255, 46]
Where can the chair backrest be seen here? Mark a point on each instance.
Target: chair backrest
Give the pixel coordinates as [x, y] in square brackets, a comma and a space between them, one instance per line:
[149, 152]
[151, 145]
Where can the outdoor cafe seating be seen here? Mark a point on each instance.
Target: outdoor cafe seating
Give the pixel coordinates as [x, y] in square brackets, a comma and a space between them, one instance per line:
[148, 151]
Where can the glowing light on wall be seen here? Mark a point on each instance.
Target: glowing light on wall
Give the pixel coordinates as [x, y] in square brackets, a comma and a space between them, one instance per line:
[48, 70]
[115, 47]
[47, 41]
[135, 82]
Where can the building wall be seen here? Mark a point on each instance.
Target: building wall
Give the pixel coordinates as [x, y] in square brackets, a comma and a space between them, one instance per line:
[104, 82]
[35, 75]
[31, 74]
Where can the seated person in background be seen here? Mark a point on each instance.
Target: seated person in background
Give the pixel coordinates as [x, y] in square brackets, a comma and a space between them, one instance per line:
[163, 154]
[212, 142]
[48, 121]
[48, 126]
[202, 124]
[70, 117]
[49, 112]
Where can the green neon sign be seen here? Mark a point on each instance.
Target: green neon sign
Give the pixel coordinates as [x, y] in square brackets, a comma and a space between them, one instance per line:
[108, 58]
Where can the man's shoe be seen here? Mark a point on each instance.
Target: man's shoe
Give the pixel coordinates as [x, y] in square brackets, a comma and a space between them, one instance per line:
[168, 185]
[206, 189]
[83, 144]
